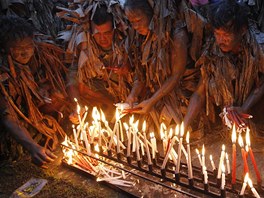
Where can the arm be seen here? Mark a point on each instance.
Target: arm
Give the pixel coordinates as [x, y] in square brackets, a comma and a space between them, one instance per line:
[39, 154]
[178, 61]
[196, 103]
[72, 82]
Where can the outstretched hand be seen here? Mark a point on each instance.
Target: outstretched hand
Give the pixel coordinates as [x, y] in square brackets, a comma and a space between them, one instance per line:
[142, 108]
[41, 156]
[237, 116]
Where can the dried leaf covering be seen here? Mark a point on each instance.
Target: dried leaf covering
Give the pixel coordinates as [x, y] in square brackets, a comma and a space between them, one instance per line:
[81, 44]
[22, 88]
[230, 79]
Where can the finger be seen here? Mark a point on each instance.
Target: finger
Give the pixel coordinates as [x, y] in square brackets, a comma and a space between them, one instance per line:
[50, 154]
[44, 167]
[37, 161]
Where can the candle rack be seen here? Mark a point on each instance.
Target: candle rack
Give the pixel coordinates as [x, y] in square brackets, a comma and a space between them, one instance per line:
[154, 173]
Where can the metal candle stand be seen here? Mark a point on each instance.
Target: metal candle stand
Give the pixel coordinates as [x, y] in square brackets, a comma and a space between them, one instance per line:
[212, 188]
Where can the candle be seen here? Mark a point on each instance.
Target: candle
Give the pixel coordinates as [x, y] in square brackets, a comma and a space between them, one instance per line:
[163, 138]
[87, 145]
[205, 175]
[180, 148]
[227, 164]
[137, 149]
[135, 130]
[253, 190]
[240, 141]
[212, 162]
[75, 137]
[203, 158]
[234, 155]
[142, 147]
[128, 131]
[244, 185]
[153, 144]
[223, 177]
[189, 160]
[117, 131]
[168, 152]
[252, 156]
[199, 156]
[221, 162]
[146, 144]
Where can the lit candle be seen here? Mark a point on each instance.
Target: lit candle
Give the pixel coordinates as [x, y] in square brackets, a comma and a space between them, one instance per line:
[146, 144]
[205, 175]
[252, 156]
[203, 158]
[199, 156]
[240, 141]
[227, 164]
[212, 162]
[137, 149]
[253, 190]
[180, 148]
[168, 153]
[234, 155]
[135, 130]
[75, 137]
[244, 185]
[221, 161]
[117, 131]
[153, 144]
[223, 177]
[163, 137]
[87, 145]
[190, 173]
[128, 138]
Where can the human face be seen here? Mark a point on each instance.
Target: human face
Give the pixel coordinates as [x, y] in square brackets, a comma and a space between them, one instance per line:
[22, 50]
[139, 20]
[227, 41]
[103, 34]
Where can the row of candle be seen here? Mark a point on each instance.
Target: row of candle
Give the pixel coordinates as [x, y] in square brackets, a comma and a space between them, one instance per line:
[138, 139]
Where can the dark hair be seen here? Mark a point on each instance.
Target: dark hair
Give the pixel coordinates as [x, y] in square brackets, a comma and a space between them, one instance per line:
[101, 15]
[142, 5]
[229, 15]
[13, 28]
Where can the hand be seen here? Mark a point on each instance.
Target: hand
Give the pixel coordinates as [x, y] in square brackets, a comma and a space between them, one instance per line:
[237, 116]
[143, 108]
[131, 99]
[73, 117]
[41, 156]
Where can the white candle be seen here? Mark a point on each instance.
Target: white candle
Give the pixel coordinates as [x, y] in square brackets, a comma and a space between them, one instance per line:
[128, 131]
[223, 177]
[168, 153]
[87, 145]
[244, 185]
[75, 137]
[212, 162]
[137, 149]
[180, 148]
[227, 164]
[145, 142]
[205, 175]
[153, 148]
[142, 148]
[221, 162]
[199, 156]
[189, 160]
[253, 190]
[203, 158]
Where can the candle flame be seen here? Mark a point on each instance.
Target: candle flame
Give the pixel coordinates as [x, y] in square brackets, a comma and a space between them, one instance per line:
[211, 157]
[182, 129]
[223, 147]
[246, 147]
[234, 134]
[170, 133]
[75, 99]
[117, 114]
[144, 126]
[197, 151]
[96, 148]
[177, 130]
[162, 136]
[94, 112]
[126, 126]
[203, 150]
[152, 135]
[131, 120]
[136, 125]
[240, 141]
[188, 137]
[102, 115]
[73, 126]
[78, 109]
[65, 142]
[226, 156]
[248, 137]
[246, 178]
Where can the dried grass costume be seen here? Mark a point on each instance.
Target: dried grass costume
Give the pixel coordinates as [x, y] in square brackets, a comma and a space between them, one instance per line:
[20, 86]
[94, 67]
[154, 51]
[229, 79]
